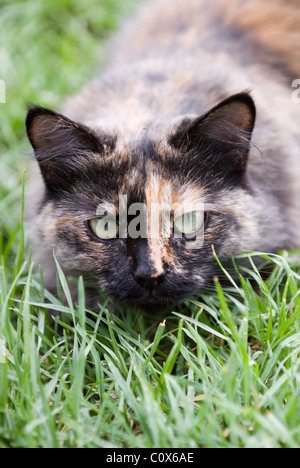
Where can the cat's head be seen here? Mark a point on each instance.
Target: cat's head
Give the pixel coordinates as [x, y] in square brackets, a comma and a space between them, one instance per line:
[140, 218]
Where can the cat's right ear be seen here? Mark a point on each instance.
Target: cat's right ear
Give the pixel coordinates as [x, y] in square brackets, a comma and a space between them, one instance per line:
[60, 145]
[219, 141]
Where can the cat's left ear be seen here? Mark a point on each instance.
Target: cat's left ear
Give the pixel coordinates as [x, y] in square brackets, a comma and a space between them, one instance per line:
[61, 146]
[221, 138]
[47, 129]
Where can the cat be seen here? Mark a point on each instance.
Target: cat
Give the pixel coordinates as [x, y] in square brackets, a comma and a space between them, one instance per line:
[194, 109]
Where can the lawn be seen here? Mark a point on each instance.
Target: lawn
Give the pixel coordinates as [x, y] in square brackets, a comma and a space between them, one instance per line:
[222, 372]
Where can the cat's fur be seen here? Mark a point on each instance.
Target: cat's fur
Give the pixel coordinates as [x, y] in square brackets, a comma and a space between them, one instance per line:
[171, 121]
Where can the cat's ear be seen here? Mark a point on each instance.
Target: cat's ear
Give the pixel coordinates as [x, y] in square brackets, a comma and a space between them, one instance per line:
[221, 138]
[60, 145]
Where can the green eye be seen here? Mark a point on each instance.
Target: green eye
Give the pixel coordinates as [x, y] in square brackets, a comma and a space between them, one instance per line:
[189, 223]
[104, 228]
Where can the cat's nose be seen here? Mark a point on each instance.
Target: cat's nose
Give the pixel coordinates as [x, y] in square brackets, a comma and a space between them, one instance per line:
[149, 280]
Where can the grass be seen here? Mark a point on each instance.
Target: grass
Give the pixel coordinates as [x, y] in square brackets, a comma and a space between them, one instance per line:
[222, 372]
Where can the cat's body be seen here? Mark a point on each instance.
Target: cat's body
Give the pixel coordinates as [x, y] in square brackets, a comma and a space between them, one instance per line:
[170, 123]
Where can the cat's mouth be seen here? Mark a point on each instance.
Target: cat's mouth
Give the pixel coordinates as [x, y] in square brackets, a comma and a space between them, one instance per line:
[156, 300]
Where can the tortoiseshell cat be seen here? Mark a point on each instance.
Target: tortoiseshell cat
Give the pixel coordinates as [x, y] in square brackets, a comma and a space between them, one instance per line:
[171, 125]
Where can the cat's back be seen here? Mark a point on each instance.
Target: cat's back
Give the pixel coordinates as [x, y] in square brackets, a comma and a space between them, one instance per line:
[248, 31]
[182, 57]
[176, 57]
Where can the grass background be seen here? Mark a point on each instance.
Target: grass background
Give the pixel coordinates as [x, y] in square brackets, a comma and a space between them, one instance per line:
[222, 372]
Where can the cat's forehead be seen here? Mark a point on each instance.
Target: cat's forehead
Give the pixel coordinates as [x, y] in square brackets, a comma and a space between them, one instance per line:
[144, 170]
[147, 176]
[169, 191]
[149, 183]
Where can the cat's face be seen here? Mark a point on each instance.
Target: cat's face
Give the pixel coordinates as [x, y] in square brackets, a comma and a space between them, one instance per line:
[140, 219]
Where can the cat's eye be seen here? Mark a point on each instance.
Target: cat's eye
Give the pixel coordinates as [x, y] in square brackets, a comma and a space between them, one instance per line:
[189, 223]
[104, 228]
